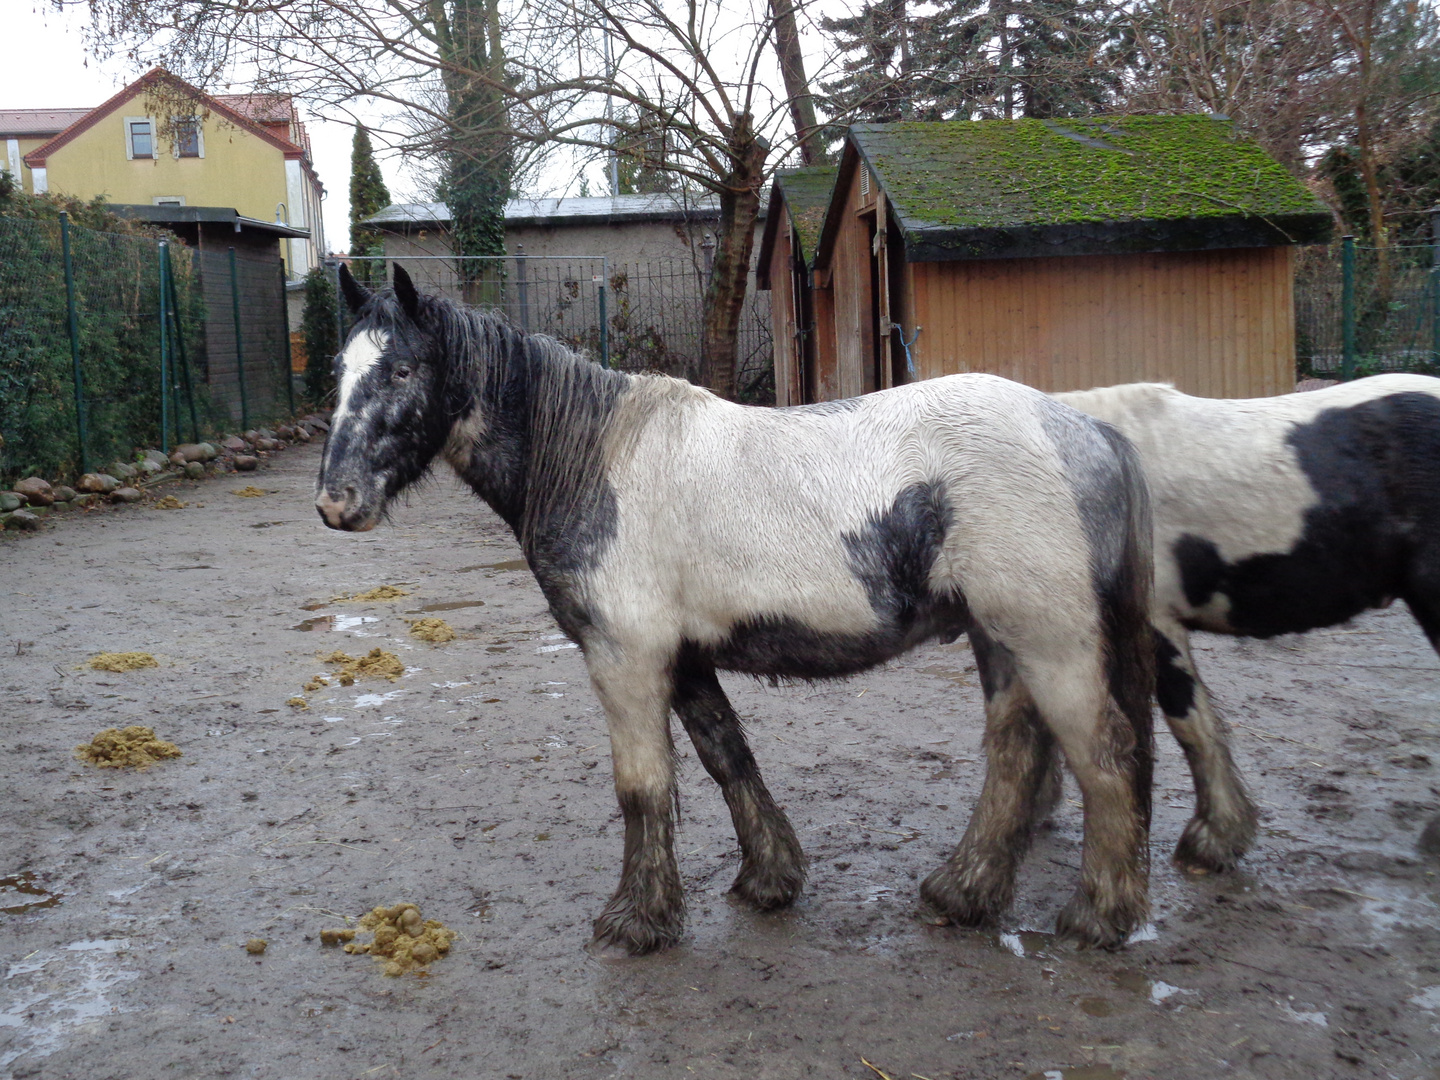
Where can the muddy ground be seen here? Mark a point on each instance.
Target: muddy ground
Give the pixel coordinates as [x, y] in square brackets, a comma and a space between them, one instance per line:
[478, 787]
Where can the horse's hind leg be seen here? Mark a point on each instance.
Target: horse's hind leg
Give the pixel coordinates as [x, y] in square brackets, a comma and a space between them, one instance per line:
[1109, 754]
[647, 911]
[772, 870]
[1224, 824]
[976, 884]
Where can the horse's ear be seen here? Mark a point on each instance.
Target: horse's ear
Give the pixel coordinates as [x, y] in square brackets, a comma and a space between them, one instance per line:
[406, 294]
[355, 294]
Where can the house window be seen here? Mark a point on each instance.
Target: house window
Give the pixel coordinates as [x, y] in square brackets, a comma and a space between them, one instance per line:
[168, 200]
[141, 134]
[187, 138]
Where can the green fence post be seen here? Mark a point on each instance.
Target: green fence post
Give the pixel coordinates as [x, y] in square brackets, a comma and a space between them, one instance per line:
[165, 389]
[1347, 308]
[180, 347]
[239, 343]
[604, 321]
[285, 333]
[74, 324]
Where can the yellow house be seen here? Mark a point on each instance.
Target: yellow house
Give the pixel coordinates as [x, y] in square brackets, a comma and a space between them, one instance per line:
[161, 142]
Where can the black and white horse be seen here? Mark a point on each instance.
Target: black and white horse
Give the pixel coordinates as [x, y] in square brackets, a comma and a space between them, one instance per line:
[674, 534]
[1273, 516]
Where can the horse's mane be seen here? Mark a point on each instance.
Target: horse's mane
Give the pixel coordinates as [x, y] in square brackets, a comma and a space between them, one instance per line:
[570, 402]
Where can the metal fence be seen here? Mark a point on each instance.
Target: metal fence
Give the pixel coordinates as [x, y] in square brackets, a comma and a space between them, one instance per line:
[636, 317]
[109, 342]
[1360, 310]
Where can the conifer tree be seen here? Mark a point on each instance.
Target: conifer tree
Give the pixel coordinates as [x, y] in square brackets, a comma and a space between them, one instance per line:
[368, 196]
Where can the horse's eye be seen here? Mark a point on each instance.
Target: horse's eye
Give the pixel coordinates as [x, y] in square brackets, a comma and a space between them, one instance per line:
[400, 374]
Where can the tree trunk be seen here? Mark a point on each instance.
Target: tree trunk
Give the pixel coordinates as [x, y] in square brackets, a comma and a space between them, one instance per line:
[797, 86]
[725, 296]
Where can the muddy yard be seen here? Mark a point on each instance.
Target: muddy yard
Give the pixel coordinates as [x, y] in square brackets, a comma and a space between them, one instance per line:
[476, 785]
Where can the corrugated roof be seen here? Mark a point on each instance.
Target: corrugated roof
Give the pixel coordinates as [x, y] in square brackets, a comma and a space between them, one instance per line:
[208, 215]
[996, 188]
[37, 122]
[602, 210]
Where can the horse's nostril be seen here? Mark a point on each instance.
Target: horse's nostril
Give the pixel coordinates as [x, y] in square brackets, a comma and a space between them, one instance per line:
[351, 495]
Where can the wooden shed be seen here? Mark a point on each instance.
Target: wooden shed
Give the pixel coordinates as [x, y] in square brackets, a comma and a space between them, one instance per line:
[1064, 254]
[802, 323]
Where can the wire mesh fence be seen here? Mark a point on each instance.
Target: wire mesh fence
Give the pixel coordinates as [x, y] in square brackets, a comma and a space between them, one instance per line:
[109, 342]
[247, 366]
[644, 316]
[1362, 311]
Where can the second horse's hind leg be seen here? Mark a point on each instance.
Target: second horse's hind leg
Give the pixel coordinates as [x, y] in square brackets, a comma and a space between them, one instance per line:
[1225, 820]
[975, 885]
[772, 870]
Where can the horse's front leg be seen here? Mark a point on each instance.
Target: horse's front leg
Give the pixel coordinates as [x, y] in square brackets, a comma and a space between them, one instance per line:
[1225, 820]
[975, 885]
[772, 870]
[647, 912]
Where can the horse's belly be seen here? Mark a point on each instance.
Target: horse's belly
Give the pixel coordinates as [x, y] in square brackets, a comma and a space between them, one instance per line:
[787, 648]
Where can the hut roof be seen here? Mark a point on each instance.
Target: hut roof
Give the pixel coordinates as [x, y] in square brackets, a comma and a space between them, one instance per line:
[805, 193]
[1099, 185]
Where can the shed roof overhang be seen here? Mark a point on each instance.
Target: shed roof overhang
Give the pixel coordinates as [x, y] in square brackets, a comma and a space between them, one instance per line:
[207, 215]
[1104, 186]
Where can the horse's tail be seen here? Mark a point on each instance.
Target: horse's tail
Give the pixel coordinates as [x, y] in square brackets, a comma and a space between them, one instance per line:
[1125, 603]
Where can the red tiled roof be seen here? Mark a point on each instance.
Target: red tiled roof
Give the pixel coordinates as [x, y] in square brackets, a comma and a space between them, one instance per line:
[36, 158]
[35, 122]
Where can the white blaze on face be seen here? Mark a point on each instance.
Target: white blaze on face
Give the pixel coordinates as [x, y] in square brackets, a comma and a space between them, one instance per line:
[363, 353]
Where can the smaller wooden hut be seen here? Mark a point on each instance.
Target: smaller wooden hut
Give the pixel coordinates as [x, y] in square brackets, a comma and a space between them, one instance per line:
[804, 331]
[1064, 254]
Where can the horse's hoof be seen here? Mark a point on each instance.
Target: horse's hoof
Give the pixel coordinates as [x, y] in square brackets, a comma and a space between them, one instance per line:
[622, 931]
[770, 889]
[1081, 922]
[1205, 847]
[957, 905]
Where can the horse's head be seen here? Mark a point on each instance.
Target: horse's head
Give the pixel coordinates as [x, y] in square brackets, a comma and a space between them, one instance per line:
[392, 415]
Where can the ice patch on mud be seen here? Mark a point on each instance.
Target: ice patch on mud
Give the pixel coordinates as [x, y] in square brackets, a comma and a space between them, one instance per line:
[1428, 998]
[1299, 1017]
[58, 993]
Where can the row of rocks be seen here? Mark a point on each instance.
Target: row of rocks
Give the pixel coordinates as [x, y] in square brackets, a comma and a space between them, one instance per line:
[31, 499]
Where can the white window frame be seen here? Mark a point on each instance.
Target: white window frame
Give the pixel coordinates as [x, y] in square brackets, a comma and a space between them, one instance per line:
[129, 142]
[168, 200]
[199, 134]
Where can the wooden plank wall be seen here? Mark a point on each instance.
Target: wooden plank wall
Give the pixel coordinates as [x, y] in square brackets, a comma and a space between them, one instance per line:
[263, 323]
[852, 306]
[1214, 323]
[782, 312]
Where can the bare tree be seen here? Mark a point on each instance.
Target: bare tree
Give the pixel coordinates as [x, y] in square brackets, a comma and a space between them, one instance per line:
[594, 77]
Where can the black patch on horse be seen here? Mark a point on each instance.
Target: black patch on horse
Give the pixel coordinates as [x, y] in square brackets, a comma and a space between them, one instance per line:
[1174, 686]
[1371, 536]
[892, 556]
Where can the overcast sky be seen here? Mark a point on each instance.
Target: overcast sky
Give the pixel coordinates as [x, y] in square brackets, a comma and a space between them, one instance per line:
[46, 66]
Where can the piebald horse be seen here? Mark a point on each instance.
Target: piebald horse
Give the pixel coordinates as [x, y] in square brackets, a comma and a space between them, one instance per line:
[675, 534]
[1274, 516]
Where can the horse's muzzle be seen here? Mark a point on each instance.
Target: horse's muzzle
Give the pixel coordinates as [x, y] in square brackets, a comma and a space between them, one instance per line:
[346, 513]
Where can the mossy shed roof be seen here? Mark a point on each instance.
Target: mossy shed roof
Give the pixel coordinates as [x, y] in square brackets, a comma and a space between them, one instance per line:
[805, 194]
[1100, 185]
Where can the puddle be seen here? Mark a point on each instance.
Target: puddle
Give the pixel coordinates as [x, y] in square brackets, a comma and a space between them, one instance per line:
[75, 990]
[18, 885]
[497, 648]
[1025, 943]
[268, 524]
[315, 606]
[1096, 1006]
[512, 564]
[1155, 992]
[344, 623]
[1080, 1072]
[954, 675]
[1295, 1015]
[449, 605]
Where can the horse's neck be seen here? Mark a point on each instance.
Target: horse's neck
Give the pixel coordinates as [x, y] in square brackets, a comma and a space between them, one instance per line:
[537, 460]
